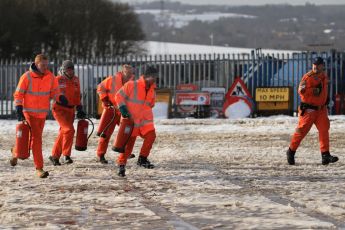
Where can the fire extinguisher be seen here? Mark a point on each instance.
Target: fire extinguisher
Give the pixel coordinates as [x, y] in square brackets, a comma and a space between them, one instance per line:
[125, 132]
[82, 136]
[23, 141]
[107, 119]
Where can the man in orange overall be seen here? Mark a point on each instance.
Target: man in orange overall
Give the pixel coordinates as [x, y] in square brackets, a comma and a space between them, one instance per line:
[32, 99]
[136, 100]
[64, 110]
[106, 91]
[313, 90]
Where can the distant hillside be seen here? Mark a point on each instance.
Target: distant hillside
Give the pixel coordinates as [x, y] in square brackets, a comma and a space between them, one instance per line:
[307, 27]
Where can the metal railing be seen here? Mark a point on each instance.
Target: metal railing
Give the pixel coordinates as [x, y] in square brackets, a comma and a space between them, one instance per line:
[204, 70]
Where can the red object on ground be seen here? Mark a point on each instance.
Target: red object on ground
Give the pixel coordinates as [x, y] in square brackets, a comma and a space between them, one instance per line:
[82, 134]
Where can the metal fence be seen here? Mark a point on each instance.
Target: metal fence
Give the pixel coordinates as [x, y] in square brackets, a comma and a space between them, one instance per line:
[204, 70]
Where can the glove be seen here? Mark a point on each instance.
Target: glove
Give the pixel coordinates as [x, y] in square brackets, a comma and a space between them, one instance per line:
[80, 113]
[302, 86]
[106, 102]
[124, 111]
[63, 100]
[317, 90]
[20, 115]
[329, 103]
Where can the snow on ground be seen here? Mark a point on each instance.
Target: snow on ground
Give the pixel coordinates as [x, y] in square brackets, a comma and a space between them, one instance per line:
[210, 174]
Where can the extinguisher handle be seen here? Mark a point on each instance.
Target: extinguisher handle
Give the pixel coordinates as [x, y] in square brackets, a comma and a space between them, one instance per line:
[21, 118]
[26, 122]
[128, 118]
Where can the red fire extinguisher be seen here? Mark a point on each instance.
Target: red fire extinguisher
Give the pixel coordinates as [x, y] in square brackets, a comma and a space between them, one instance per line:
[23, 140]
[125, 132]
[82, 136]
[107, 118]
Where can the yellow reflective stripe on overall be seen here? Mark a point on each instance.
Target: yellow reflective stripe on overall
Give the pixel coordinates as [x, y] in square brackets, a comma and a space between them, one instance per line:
[30, 88]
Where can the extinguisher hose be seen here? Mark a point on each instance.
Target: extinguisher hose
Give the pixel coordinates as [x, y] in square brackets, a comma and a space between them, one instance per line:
[93, 127]
[111, 121]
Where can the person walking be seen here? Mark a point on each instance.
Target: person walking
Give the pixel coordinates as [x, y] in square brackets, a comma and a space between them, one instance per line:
[64, 111]
[313, 90]
[135, 100]
[32, 100]
[107, 90]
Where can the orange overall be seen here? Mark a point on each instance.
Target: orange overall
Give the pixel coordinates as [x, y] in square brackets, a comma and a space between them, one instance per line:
[107, 90]
[34, 92]
[64, 114]
[312, 110]
[139, 102]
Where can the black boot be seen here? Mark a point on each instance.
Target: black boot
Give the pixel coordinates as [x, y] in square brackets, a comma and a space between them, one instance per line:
[41, 173]
[102, 159]
[328, 158]
[68, 160]
[122, 171]
[55, 161]
[290, 156]
[13, 160]
[144, 162]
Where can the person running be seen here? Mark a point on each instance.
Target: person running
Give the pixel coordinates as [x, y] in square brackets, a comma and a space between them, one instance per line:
[106, 91]
[35, 89]
[135, 100]
[64, 111]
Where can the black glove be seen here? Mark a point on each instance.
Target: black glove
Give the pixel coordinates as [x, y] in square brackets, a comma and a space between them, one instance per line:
[124, 111]
[20, 115]
[106, 102]
[63, 100]
[80, 113]
[317, 90]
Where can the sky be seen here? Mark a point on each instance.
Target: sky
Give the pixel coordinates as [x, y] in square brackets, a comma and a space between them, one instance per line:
[249, 2]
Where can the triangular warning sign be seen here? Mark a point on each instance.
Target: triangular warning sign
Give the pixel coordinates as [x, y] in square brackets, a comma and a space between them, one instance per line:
[238, 88]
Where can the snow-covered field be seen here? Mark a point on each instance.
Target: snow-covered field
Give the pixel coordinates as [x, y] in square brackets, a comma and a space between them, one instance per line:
[172, 48]
[210, 174]
[179, 20]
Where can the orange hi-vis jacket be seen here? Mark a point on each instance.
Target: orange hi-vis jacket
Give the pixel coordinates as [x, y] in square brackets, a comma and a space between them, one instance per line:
[139, 102]
[310, 81]
[110, 86]
[34, 92]
[70, 88]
